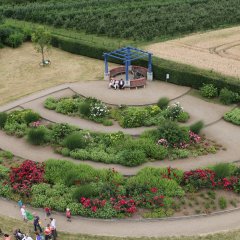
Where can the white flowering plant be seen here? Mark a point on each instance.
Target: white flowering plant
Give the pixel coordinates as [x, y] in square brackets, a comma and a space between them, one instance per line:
[173, 111]
[98, 110]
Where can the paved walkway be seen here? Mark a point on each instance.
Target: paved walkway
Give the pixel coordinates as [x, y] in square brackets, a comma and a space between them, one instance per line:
[222, 132]
[134, 228]
[219, 130]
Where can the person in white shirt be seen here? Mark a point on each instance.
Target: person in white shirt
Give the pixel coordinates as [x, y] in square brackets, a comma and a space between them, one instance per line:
[53, 227]
[23, 212]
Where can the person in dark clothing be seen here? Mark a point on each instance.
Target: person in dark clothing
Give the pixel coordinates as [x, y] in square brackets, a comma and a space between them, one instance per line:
[36, 224]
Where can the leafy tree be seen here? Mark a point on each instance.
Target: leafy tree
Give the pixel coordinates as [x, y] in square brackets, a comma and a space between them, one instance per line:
[41, 39]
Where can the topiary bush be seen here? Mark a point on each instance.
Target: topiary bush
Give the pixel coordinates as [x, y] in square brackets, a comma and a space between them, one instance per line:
[36, 136]
[163, 102]
[227, 97]
[3, 119]
[74, 141]
[197, 127]
[209, 91]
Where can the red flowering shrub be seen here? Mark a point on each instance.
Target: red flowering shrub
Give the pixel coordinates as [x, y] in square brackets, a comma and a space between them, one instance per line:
[122, 204]
[93, 204]
[150, 199]
[229, 183]
[23, 177]
[200, 178]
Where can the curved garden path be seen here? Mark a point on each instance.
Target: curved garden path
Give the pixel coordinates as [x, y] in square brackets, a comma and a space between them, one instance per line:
[217, 129]
[222, 132]
[135, 228]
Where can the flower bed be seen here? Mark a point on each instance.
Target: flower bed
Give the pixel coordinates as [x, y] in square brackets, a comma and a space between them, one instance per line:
[233, 116]
[168, 141]
[153, 192]
[127, 117]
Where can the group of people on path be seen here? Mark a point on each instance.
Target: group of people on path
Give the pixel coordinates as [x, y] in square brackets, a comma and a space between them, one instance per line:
[116, 84]
[46, 233]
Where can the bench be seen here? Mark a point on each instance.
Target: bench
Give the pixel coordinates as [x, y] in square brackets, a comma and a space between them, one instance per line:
[135, 83]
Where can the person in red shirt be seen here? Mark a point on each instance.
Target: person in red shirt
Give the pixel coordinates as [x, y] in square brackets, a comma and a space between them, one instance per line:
[47, 212]
[48, 232]
[68, 215]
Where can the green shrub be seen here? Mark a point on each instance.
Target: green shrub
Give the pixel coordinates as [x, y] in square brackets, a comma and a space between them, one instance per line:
[209, 91]
[222, 202]
[6, 154]
[183, 117]
[67, 106]
[5, 190]
[60, 131]
[36, 136]
[87, 191]
[14, 128]
[180, 153]
[222, 170]
[227, 97]
[133, 117]
[74, 141]
[159, 213]
[153, 151]
[85, 108]
[107, 122]
[15, 40]
[196, 127]
[163, 102]
[50, 103]
[57, 171]
[4, 172]
[173, 133]
[132, 157]
[30, 117]
[65, 152]
[3, 119]
[233, 116]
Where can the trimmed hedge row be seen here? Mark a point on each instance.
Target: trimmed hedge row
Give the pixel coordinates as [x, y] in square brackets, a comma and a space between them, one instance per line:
[180, 74]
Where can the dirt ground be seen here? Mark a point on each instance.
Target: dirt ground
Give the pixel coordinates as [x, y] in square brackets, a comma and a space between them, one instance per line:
[21, 73]
[215, 50]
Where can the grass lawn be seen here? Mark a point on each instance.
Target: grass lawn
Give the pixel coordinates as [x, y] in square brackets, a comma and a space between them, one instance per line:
[22, 75]
[9, 224]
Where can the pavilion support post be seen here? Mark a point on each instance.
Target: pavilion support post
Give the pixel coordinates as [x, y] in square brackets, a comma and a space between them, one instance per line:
[149, 72]
[106, 73]
[127, 82]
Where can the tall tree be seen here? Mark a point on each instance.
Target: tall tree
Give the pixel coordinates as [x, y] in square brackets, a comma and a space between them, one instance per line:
[41, 39]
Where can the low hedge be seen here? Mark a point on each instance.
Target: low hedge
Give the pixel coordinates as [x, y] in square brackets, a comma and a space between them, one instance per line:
[180, 74]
